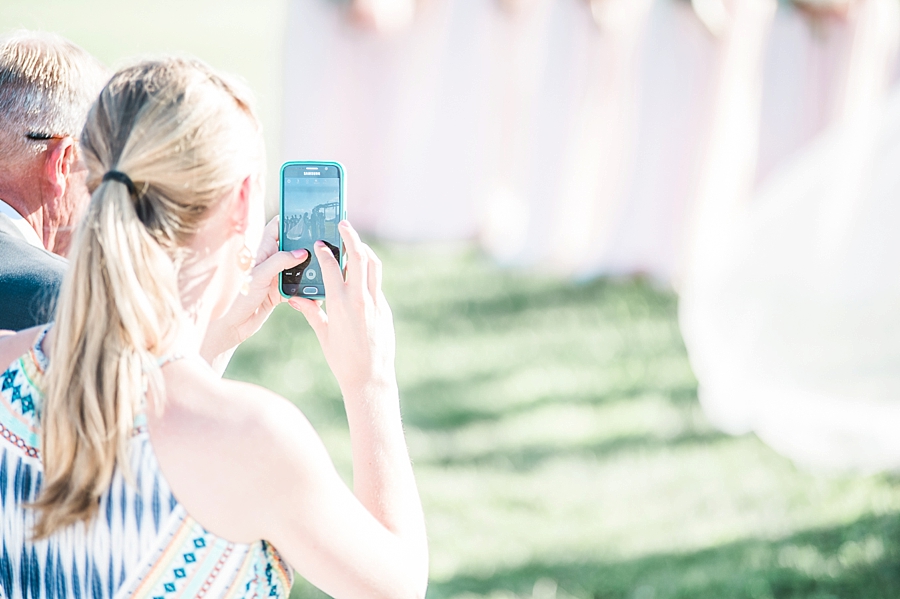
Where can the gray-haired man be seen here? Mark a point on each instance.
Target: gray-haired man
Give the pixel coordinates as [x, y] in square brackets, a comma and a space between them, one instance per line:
[47, 85]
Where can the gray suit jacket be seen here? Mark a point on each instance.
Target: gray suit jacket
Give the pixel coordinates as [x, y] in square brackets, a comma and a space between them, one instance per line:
[29, 280]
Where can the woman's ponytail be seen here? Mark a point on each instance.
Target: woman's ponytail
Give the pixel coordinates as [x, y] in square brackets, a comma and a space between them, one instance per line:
[118, 309]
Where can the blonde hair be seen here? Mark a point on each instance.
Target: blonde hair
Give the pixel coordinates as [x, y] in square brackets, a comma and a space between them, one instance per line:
[186, 136]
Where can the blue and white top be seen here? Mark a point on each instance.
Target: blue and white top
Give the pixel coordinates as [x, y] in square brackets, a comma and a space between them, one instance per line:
[141, 544]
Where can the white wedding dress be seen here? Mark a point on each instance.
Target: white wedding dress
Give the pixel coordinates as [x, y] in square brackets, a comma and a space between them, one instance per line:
[792, 313]
[789, 306]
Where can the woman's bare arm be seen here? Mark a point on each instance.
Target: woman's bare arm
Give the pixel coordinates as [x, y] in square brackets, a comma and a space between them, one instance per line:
[357, 336]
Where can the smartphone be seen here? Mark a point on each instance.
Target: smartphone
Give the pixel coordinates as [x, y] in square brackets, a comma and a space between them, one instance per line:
[312, 205]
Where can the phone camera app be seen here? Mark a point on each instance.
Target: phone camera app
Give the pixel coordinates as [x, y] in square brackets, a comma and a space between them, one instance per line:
[311, 211]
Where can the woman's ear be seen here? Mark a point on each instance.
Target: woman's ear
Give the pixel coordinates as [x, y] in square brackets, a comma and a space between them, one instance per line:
[240, 209]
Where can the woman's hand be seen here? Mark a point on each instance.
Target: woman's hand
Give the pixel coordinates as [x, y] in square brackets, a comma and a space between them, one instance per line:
[384, 16]
[248, 312]
[357, 333]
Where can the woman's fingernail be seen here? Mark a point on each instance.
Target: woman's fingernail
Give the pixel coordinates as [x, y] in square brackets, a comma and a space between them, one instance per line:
[320, 245]
[299, 253]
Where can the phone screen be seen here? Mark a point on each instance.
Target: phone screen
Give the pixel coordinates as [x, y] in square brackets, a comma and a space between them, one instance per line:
[311, 208]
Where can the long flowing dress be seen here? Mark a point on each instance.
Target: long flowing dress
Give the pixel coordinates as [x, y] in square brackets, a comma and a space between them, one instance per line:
[789, 311]
[606, 139]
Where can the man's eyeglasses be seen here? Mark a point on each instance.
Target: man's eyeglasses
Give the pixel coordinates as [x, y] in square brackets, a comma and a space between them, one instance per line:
[36, 136]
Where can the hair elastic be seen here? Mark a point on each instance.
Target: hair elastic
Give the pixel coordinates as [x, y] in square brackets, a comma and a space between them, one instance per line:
[121, 178]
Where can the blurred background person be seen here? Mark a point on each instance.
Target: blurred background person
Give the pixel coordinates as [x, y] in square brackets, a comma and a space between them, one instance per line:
[562, 134]
[404, 109]
[564, 99]
[47, 85]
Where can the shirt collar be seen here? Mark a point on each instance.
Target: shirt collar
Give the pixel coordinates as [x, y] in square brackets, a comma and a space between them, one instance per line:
[21, 224]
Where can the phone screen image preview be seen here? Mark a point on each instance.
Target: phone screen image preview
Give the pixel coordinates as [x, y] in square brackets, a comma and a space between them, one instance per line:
[312, 211]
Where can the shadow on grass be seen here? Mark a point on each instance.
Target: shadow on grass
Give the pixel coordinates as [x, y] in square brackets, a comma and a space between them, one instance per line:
[523, 459]
[857, 561]
[436, 404]
[636, 296]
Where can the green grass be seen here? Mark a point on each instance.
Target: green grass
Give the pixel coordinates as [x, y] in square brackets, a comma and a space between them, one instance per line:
[561, 452]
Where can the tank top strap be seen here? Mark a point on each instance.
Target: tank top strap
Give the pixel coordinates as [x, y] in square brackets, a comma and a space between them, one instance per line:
[42, 361]
[140, 417]
[166, 358]
[37, 352]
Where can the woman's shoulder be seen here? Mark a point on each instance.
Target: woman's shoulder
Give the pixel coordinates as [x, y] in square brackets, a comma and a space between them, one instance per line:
[243, 413]
[202, 408]
[226, 446]
[271, 434]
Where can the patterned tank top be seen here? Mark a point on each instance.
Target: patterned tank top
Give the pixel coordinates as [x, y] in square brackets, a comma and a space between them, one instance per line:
[142, 543]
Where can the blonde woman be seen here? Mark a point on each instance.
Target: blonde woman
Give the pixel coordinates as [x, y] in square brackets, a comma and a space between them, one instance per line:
[128, 467]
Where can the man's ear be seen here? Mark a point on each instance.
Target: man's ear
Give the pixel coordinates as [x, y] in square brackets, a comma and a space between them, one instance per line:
[240, 209]
[58, 163]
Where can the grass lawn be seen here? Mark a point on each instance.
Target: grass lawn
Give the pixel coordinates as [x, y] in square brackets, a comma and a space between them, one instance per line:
[560, 450]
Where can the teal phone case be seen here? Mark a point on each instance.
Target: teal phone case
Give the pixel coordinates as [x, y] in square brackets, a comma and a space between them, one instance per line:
[343, 210]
